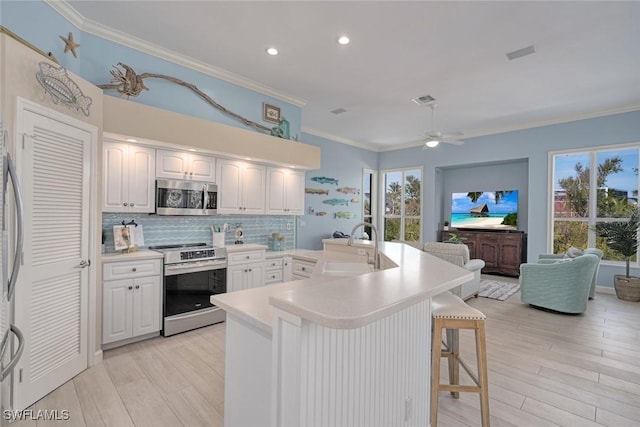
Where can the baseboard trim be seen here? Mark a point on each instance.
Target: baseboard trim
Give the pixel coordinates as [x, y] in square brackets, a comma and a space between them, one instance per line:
[605, 290]
[97, 358]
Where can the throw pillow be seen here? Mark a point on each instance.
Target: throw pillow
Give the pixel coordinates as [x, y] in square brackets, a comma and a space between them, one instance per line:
[573, 252]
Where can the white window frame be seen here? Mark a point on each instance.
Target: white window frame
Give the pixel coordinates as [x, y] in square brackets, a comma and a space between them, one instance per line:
[382, 199]
[592, 219]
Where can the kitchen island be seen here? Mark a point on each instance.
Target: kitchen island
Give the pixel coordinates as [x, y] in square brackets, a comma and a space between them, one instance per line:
[334, 350]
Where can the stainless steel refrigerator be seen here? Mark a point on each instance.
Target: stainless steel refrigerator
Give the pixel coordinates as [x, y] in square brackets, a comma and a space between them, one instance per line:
[12, 218]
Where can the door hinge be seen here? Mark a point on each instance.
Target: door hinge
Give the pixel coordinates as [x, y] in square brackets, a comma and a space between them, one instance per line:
[20, 375]
[23, 135]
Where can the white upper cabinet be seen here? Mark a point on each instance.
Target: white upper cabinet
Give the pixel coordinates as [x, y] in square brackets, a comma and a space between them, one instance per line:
[129, 178]
[241, 187]
[184, 165]
[285, 191]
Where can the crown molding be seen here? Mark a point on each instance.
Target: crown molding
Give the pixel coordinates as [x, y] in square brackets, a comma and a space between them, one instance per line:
[124, 39]
[495, 131]
[339, 139]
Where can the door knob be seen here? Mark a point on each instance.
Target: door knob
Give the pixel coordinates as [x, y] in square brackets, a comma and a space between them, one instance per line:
[84, 263]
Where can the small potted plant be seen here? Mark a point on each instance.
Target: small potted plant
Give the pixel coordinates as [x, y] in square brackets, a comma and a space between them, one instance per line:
[454, 238]
[622, 237]
[446, 226]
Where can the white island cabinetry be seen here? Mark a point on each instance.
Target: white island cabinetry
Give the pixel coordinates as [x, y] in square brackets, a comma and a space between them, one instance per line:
[327, 340]
[131, 297]
[129, 177]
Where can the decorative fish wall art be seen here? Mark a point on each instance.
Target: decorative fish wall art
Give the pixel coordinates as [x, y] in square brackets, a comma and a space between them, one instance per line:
[324, 180]
[354, 200]
[316, 191]
[321, 213]
[334, 202]
[344, 215]
[348, 190]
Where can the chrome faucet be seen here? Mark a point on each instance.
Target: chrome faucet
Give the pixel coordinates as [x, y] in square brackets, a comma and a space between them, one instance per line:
[376, 254]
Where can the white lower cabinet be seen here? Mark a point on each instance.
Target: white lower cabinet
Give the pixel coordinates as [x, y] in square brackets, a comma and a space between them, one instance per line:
[302, 268]
[245, 270]
[131, 305]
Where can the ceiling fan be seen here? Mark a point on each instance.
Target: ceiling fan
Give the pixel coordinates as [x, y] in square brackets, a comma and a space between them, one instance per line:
[433, 138]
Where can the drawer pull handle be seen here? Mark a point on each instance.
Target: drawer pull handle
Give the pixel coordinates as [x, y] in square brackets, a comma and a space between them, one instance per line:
[130, 287]
[137, 286]
[134, 269]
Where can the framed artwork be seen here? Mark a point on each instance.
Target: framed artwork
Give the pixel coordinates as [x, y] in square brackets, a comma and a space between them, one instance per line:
[271, 113]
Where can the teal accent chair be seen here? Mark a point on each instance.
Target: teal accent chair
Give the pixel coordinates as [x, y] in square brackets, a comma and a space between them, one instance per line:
[560, 286]
[551, 258]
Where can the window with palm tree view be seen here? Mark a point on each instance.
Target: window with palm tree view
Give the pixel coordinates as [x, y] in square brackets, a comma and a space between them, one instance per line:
[402, 210]
[591, 188]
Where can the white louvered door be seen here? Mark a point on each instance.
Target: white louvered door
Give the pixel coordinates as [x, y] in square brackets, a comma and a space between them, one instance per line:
[52, 293]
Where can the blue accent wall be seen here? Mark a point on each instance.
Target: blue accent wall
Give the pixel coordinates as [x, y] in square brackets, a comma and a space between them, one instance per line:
[344, 163]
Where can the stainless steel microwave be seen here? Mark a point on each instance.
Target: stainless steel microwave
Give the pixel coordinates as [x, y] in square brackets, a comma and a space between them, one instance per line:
[176, 197]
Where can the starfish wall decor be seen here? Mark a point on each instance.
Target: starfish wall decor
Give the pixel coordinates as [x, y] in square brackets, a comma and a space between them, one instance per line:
[70, 44]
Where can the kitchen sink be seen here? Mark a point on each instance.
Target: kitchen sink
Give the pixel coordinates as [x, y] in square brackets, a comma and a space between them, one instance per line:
[334, 268]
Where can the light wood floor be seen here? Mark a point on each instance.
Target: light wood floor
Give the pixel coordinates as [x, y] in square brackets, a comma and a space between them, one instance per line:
[545, 369]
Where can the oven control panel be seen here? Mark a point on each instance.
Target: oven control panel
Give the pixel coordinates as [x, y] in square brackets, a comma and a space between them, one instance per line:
[197, 254]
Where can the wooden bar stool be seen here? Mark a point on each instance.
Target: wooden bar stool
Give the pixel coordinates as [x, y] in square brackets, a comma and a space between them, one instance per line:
[451, 313]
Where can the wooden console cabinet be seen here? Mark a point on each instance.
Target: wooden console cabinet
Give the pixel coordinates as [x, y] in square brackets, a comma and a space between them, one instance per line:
[502, 252]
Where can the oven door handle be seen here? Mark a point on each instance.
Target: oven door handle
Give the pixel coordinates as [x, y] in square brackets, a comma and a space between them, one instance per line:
[172, 270]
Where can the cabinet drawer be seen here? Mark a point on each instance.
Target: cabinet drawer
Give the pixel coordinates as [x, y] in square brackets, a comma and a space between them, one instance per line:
[129, 269]
[273, 264]
[244, 257]
[273, 276]
[303, 268]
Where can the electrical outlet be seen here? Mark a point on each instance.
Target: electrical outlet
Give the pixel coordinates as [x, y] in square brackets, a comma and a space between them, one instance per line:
[288, 226]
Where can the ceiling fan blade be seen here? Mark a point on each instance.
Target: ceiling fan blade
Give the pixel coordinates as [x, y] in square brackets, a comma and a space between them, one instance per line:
[453, 141]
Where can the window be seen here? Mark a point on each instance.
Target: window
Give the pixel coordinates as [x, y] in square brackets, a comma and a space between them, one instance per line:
[403, 205]
[578, 205]
[369, 199]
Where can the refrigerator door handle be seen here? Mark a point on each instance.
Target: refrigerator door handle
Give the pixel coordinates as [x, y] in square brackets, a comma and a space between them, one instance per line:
[6, 370]
[11, 171]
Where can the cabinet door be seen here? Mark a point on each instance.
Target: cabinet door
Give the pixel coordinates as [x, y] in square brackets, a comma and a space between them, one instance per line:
[115, 178]
[172, 164]
[236, 278]
[295, 193]
[287, 269]
[510, 254]
[276, 191]
[202, 168]
[229, 178]
[142, 177]
[489, 252]
[146, 305]
[117, 305]
[253, 189]
[255, 275]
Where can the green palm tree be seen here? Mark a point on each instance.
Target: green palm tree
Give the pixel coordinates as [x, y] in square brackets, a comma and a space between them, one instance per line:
[499, 195]
[622, 236]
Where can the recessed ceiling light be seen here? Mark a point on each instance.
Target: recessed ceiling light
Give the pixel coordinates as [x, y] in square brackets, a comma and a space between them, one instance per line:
[433, 143]
[292, 167]
[272, 51]
[343, 40]
[132, 140]
[192, 149]
[247, 158]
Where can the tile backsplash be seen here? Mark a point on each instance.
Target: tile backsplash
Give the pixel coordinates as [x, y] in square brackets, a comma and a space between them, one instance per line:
[162, 230]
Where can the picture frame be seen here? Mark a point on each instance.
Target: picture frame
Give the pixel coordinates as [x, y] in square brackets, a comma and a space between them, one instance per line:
[271, 113]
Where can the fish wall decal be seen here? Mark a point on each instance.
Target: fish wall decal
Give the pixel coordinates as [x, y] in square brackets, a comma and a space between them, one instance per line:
[334, 202]
[316, 191]
[344, 215]
[324, 180]
[354, 200]
[321, 213]
[348, 190]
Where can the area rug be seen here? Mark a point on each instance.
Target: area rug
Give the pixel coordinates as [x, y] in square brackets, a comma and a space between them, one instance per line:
[497, 290]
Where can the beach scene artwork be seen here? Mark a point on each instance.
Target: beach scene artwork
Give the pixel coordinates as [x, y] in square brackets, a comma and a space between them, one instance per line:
[485, 210]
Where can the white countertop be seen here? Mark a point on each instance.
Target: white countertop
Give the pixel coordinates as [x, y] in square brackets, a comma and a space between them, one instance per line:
[139, 254]
[349, 302]
[245, 247]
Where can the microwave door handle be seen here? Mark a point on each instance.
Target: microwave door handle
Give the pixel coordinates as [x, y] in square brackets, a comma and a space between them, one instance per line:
[6, 370]
[20, 227]
[205, 201]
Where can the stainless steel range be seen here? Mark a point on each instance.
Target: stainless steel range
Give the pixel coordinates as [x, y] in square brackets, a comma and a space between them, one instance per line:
[192, 273]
